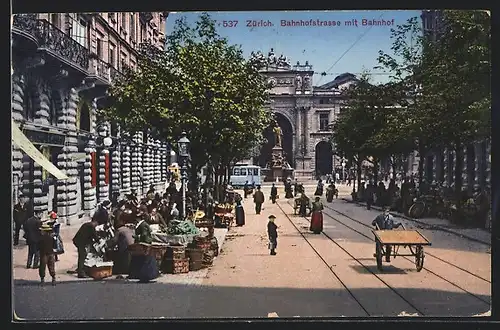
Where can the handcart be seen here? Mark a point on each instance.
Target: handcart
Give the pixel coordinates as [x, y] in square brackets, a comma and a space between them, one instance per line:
[388, 242]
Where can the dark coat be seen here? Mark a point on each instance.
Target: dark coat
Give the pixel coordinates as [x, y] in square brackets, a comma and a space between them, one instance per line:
[272, 230]
[258, 197]
[143, 233]
[274, 191]
[32, 230]
[385, 222]
[86, 235]
[46, 244]
[20, 213]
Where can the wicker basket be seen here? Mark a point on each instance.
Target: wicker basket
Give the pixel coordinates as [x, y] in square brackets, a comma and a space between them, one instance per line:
[100, 273]
[139, 249]
[175, 266]
[175, 252]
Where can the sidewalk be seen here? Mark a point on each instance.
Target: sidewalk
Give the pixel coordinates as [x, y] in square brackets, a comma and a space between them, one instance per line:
[479, 235]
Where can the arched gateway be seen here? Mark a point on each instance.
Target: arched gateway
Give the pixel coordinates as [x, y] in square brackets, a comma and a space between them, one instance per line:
[303, 113]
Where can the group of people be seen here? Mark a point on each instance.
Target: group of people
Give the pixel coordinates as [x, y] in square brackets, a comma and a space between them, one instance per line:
[42, 235]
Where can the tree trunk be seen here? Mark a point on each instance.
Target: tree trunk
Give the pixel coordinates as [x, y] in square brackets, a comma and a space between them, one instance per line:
[194, 180]
[376, 168]
[421, 160]
[459, 162]
[358, 171]
[394, 165]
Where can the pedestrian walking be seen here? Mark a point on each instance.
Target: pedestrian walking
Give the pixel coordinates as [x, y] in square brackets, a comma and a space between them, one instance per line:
[239, 213]
[258, 199]
[85, 236]
[272, 233]
[47, 254]
[20, 215]
[317, 216]
[245, 189]
[274, 193]
[319, 188]
[32, 232]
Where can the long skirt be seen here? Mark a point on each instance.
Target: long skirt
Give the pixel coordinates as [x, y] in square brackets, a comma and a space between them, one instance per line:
[143, 268]
[317, 222]
[318, 192]
[240, 216]
[121, 262]
[289, 193]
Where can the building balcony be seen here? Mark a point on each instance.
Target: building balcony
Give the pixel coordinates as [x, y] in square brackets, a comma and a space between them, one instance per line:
[58, 44]
[26, 26]
[47, 38]
[99, 70]
[114, 74]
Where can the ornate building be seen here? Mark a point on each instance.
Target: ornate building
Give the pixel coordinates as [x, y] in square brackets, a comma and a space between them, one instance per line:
[62, 65]
[304, 113]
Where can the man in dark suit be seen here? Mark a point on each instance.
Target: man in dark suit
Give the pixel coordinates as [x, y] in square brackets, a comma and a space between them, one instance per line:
[21, 215]
[32, 230]
[258, 199]
[85, 236]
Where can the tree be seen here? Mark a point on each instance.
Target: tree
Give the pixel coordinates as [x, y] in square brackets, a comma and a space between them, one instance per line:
[200, 84]
[459, 73]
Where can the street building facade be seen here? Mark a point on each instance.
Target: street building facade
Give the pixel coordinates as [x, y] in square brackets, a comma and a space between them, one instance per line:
[62, 65]
[304, 113]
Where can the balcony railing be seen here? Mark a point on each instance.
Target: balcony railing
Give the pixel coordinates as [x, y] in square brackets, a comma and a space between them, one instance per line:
[100, 69]
[52, 39]
[27, 23]
[114, 74]
[58, 42]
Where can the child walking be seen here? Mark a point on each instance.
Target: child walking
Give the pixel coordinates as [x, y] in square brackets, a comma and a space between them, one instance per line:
[272, 233]
[47, 254]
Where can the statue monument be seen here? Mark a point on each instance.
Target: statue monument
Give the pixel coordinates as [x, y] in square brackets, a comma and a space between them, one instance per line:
[278, 162]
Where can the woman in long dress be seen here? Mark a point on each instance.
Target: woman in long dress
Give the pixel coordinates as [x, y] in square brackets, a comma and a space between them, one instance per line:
[317, 217]
[143, 267]
[240, 213]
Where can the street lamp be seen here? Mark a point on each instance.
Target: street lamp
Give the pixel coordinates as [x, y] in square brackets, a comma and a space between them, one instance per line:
[183, 145]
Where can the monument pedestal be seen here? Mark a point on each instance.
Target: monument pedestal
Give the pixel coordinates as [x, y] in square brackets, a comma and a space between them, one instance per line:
[277, 163]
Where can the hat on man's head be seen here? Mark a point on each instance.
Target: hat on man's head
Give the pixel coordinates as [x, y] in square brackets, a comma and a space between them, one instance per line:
[106, 203]
[272, 216]
[46, 228]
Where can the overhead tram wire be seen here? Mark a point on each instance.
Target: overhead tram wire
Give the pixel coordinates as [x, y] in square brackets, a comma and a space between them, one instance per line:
[348, 49]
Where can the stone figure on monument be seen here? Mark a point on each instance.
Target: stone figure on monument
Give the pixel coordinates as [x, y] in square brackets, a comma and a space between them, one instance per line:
[307, 82]
[298, 82]
[278, 134]
[271, 57]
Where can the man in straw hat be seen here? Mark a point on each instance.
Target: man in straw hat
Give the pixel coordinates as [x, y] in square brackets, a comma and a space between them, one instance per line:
[272, 233]
[47, 255]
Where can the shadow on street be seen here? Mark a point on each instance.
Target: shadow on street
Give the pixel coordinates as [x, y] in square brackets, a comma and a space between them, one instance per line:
[128, 300]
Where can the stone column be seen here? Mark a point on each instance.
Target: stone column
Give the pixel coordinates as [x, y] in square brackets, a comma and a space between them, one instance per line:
[435, 167]
[17, 154]
[305, 118]
[89, 192]
[453, 166]
[164, 163]
[103, 188]
[488, 163]
[445, 166]
[158, 163]
[67, 207]
[116, 175]
[125, 170]
[477, 164]
[137, 162]
[148, 165]
[465, 177]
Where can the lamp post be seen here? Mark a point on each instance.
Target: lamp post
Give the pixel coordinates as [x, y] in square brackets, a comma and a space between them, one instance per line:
[343, 169]
[183, 145]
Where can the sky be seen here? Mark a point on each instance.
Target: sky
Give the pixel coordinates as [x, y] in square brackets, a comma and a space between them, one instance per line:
[323, 46]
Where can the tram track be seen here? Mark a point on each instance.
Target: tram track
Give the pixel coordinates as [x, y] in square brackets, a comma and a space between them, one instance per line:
[371, 239]
[426, 253]
[395, 291]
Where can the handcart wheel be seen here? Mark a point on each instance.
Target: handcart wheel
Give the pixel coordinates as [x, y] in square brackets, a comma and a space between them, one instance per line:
[419, 258]
[378, 255]
[417, 210]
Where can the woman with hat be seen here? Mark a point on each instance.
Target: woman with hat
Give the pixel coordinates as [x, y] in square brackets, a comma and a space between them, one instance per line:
[272, 233]
[47, 254]
[317, 216]
[239, 212]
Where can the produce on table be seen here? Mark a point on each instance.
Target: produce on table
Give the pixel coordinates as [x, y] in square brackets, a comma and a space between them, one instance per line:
[177, 227]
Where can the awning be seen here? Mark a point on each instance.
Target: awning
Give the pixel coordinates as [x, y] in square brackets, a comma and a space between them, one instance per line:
[21, 141]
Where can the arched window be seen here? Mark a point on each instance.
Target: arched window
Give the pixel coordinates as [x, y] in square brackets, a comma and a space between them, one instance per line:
[29, 104]
[54, 107]
[84, 118]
